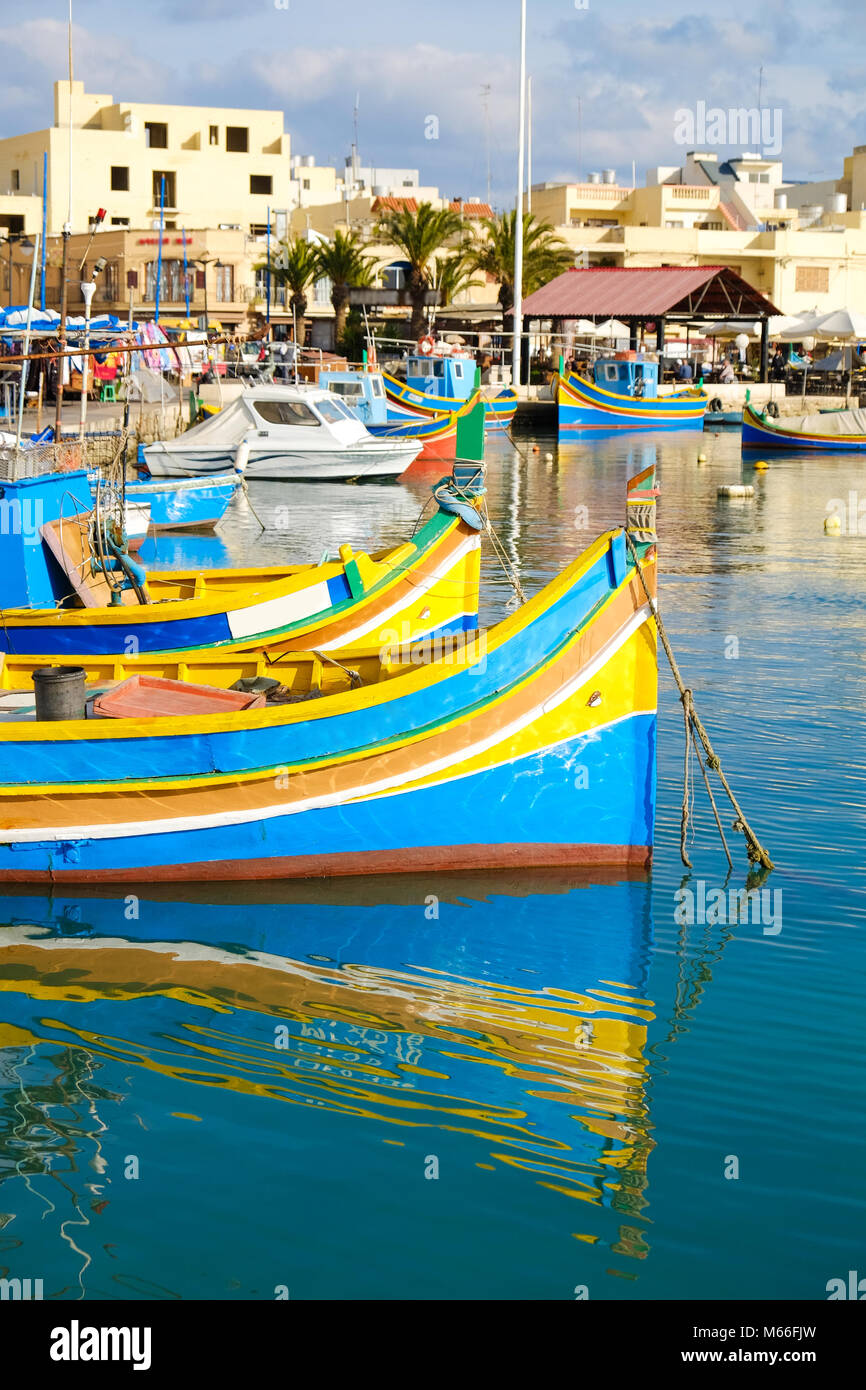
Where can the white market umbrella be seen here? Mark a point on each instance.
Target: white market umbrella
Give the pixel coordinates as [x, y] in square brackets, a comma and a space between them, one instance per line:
[840, 326]
[611, 328]
[732, 328]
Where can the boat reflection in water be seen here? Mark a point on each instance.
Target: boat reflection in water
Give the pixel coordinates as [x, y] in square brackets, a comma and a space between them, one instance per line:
[490, 1027]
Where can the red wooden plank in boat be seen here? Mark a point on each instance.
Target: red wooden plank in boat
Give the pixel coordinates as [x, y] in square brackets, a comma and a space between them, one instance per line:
[152, 697]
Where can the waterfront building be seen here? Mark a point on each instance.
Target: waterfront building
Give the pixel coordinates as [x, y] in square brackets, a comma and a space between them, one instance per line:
[222, 167]
[738, 213]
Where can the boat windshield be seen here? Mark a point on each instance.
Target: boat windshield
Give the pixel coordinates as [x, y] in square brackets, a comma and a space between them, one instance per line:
[334, 411]
[376, 383]
[286, 413]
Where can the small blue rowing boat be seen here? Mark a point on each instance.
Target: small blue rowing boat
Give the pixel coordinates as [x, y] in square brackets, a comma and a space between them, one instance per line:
[189, 504]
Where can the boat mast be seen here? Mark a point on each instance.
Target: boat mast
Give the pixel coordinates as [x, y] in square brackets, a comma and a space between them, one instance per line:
[529, 144]
[518, 218]
[67, 232]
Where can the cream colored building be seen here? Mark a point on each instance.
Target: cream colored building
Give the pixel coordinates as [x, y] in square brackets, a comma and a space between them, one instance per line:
[223, 167]
[739, 214]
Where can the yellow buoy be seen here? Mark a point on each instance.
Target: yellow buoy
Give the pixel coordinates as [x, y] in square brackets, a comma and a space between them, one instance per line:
[702, 458]
[761, 466]
[833, 524]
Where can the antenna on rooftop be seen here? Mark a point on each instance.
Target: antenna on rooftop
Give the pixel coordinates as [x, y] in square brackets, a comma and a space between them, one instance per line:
[485, 102]
[355, 157]
[579, 142]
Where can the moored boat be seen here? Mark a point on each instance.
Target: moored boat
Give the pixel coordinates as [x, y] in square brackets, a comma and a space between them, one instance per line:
[185, 504]
[443, 380]
[530, 744]
[623, 394]
[364, 394]
[831, 431]
[282, 432]
[54, 558]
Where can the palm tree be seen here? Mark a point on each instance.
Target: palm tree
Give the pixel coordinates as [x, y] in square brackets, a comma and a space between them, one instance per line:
[419, 235]
[295, 265]
[544, 255]
[346, 265]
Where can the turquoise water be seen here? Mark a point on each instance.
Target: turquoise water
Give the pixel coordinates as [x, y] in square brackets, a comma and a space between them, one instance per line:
[509, 1087]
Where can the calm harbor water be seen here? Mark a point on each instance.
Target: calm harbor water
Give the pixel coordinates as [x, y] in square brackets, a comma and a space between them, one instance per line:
[553, 1084]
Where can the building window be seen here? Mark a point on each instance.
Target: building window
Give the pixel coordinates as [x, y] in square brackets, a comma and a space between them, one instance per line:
[170, 187]
[394, 276]
[237, 139]
[16, 180]
[171, 286]
[120, 221]
[214, 135]
[225, 283]
[305, 183]
[110, 281]
[812, 279]
[156, 135]
[261, 183]
[322, 291]
[119, 178]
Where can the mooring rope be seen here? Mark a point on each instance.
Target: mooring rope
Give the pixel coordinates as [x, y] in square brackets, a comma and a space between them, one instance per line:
[754, 848]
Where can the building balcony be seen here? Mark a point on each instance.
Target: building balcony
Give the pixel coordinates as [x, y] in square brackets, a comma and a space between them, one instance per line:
[690, 193]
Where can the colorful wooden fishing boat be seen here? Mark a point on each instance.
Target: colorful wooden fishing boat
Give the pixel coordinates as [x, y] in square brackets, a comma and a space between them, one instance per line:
[429, 584]
[531, 744]
[363, 392]
[623, 394]
[445, 383]
[832, 431]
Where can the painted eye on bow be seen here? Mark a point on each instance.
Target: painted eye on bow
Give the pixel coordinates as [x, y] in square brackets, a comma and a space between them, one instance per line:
[594, 699]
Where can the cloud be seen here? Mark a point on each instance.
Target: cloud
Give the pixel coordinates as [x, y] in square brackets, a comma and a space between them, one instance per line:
[606, 81]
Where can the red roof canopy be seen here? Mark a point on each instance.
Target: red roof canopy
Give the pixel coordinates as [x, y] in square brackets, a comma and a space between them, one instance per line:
[602, 292]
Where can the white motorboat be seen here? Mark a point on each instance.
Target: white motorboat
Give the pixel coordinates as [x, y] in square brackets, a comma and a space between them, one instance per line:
[282, 432]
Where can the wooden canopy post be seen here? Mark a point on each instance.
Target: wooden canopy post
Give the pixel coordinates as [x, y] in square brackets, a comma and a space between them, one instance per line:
[765, 346]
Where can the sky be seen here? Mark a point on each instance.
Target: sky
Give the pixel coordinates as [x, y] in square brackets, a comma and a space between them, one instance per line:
[609, 76]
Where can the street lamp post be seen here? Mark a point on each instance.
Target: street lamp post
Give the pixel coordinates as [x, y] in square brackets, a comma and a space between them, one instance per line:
[61, 335]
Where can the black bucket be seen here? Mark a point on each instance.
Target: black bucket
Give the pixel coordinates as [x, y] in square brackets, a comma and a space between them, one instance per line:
[60, 692]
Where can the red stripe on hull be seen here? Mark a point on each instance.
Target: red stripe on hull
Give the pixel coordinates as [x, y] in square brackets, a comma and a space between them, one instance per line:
[423, 859]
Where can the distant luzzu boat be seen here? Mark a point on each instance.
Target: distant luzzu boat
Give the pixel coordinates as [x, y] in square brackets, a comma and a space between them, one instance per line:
[59, 601]
[363, 392]
[830, 431]
[623, 394]
[531, 744]
[441, 381]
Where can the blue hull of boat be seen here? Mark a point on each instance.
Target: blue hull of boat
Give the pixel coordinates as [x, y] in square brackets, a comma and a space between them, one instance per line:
[185, 503]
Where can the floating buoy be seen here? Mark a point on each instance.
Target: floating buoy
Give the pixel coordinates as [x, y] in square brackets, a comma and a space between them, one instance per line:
[702, 458]
[761, 466]
[535, 449]
[548, 458]
[833, 524]
[736, 490]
